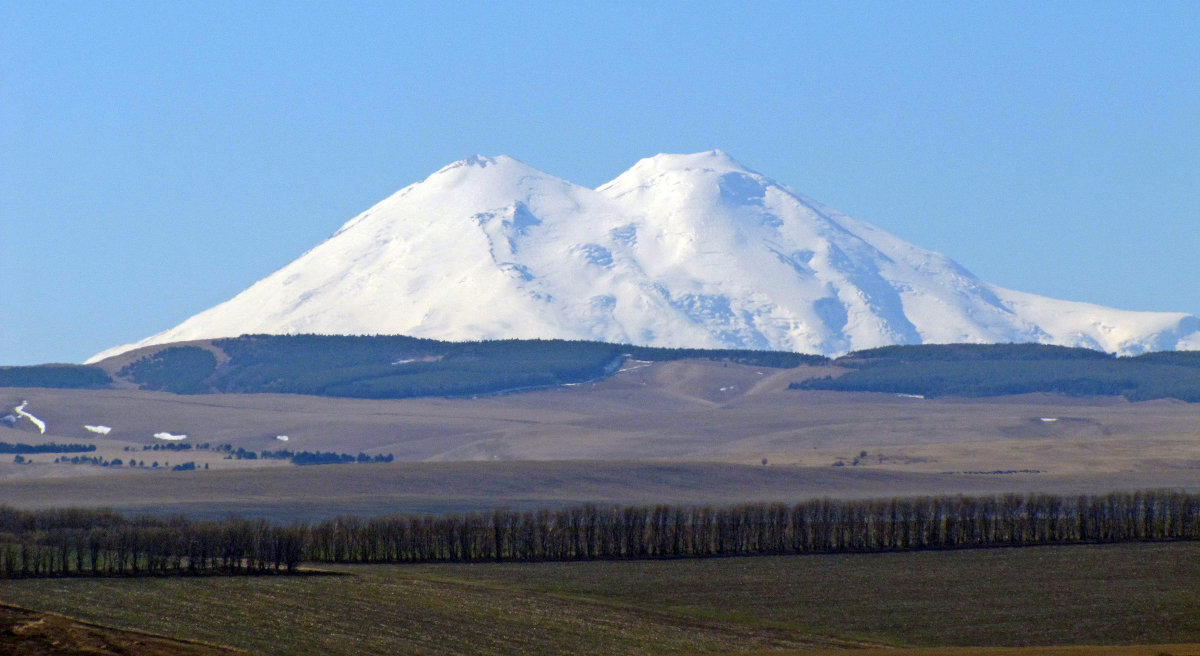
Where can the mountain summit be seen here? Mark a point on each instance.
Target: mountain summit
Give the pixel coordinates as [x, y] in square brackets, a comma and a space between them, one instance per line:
[680, 250]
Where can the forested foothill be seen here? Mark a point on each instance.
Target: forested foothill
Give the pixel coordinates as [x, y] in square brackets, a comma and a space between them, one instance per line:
[401, 367]
[101, 543]
[392, 367]
[61, 376]
[180, 369]
[980, 370]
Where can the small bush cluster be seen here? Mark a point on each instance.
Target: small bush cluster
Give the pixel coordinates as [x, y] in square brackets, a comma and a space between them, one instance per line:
[322, 458]
[48, 447]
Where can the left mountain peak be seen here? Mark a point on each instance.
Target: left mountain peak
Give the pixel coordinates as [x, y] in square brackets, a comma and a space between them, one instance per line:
[482, 171]
[482, 162]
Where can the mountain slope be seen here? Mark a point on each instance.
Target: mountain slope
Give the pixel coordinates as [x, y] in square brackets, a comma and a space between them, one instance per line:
[680, 250]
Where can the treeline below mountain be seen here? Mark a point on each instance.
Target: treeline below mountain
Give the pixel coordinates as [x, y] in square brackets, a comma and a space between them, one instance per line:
[378, 367]
[401, 367]
[60, 376]
[102, 543]
[1001, 369]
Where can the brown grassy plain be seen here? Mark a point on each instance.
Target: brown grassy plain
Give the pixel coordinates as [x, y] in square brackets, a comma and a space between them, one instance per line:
[678, 432]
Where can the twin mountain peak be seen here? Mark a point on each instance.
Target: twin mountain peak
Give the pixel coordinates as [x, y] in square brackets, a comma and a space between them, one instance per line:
[678, 251]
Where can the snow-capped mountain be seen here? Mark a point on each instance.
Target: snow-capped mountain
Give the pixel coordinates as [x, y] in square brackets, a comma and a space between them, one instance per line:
[680, 250]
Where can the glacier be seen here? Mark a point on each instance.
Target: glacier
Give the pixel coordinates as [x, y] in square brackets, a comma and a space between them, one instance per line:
[679, 251]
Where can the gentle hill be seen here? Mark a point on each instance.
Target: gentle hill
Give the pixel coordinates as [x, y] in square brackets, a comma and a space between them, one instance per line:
[978, 370]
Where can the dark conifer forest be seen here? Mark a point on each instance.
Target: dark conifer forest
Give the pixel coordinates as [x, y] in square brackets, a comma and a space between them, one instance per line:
[401, 367]
[393, 367]
[981, 370]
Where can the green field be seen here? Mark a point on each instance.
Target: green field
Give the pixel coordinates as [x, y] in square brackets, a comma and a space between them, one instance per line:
[1146, 593]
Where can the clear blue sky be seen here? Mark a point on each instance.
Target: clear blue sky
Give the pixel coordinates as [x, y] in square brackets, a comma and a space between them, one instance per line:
[156, 158]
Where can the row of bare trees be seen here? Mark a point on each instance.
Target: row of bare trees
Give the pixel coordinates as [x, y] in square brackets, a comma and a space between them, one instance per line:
[820, 526]
[105, 544]
[76, 542]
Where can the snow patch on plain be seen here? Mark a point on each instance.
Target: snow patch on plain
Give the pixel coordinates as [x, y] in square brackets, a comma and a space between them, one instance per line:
[99, 429]
[169, 437]
[20, 410]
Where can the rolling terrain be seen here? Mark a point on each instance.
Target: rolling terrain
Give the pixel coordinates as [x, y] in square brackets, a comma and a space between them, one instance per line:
[658, 430]
[685, 431]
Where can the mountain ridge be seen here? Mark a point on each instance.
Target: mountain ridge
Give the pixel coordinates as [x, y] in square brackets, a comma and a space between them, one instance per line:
[692, 251]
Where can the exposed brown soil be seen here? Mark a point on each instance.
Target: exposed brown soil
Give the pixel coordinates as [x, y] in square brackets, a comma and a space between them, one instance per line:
[1073, 650]
[29, 633]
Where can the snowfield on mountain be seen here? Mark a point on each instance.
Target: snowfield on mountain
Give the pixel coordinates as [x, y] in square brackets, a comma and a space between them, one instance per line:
[678, 251]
